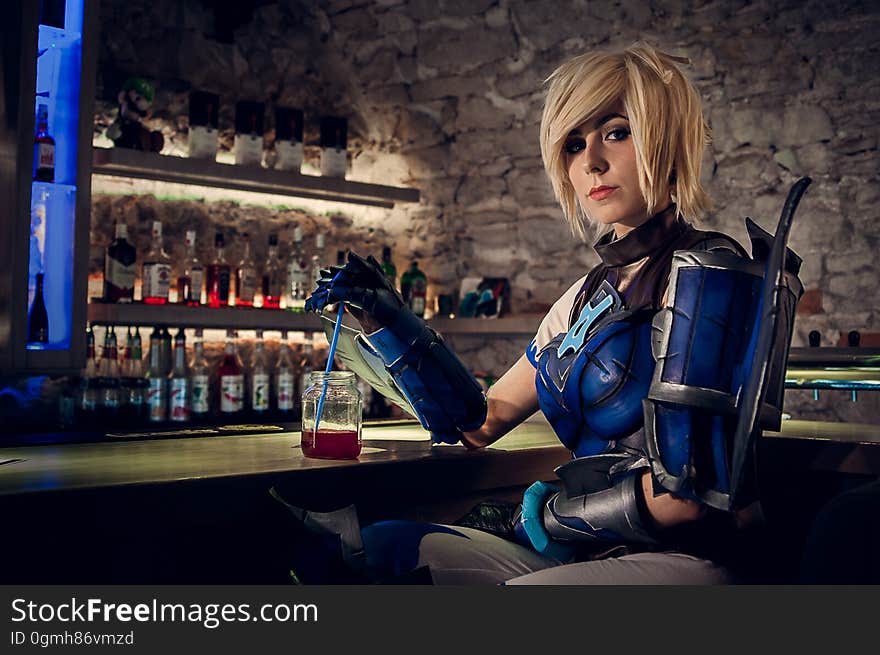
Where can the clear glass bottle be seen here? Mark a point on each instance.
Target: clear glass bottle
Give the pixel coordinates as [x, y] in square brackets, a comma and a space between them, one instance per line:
[157, 379]
[259, 380]
[108, 376]
[297, 274]
[200, 380]
[317, 262]
[133, 379]
[285, 380]
[218, 275]
[156, 272]
[192, 274]
[339, 430]
[246, 276]
[273, 276]
[179, 397]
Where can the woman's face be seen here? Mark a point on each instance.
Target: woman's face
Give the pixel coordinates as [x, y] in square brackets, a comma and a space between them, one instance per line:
[601, 162]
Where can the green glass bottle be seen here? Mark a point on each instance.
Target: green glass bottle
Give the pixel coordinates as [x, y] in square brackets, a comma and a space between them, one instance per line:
[414, 286]
[388, 266]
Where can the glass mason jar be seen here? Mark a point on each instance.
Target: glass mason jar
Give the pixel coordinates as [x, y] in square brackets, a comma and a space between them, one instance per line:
[339, 430]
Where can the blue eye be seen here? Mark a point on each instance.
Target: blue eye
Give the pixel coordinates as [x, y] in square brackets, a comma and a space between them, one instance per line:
[617, 134]
[574, 146]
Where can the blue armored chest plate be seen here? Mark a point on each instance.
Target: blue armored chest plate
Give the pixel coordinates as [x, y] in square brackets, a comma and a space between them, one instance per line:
[592, 379]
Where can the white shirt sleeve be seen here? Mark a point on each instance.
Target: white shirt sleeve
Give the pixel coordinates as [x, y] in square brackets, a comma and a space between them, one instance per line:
[556, 320]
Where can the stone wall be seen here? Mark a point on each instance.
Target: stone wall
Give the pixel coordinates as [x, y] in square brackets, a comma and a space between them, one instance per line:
[446, 96]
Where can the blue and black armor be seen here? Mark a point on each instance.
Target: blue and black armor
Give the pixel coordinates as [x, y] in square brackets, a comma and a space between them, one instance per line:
[438, 388]
[726, 323]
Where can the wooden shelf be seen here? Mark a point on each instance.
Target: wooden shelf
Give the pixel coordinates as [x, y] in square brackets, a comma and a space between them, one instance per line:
[522, 325]
[241, 318]
[122, 162]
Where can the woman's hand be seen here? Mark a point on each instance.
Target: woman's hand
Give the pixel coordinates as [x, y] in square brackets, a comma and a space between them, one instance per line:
[667, 510]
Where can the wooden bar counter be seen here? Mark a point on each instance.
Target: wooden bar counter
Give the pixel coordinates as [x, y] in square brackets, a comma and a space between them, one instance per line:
[191, 510]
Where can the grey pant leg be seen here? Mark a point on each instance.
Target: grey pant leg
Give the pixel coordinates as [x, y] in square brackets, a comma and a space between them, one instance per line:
[637, 569]
[481, 558]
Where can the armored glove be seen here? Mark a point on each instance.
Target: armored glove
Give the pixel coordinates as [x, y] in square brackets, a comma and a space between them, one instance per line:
[445, 396]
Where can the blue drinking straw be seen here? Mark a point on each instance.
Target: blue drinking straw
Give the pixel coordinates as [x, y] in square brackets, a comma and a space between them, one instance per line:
[330, 355]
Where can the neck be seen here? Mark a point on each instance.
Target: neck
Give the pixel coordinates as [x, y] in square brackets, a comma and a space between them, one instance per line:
[622, 228]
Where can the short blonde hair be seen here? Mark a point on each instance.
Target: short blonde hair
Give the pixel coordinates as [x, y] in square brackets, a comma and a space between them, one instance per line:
[665, 114]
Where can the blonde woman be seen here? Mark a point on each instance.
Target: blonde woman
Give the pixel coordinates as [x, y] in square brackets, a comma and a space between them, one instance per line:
[622, 138]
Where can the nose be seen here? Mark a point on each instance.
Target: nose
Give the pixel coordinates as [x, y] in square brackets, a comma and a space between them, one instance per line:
[594, 155]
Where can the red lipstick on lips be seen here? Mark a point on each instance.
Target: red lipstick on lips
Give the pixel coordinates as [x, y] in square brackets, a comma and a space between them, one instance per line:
[601, 192]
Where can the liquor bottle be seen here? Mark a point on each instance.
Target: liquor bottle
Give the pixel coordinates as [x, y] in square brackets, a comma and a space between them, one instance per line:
[120, 268]
[44, 148]
[166, 354]
[413, 287]
[133, 381]
[246, 276]
[259, 381]
[38, 319]
[285, 385]
[200, 376]
[297, 274]
[273, 276]
[218, 275]
[231, 381]
[88, 390]
[192, 274]
[108, 377]
[317, 262]
[306, 366]
[157, 393]
[388, 266]
[156, 270]
[179, 406]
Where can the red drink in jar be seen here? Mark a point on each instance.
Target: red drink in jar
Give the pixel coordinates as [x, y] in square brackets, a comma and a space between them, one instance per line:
[331, 444]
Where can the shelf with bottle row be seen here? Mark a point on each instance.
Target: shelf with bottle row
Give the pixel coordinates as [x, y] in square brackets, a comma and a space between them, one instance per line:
[122, 162]
[139, 314]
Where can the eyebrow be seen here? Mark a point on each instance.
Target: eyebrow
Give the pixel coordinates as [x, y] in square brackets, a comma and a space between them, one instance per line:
[599, 123]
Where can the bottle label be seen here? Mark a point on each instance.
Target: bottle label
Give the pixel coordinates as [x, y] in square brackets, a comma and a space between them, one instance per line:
[289, 155]
[178, 407]
[157, 280]
[200, 394]
[195, 285]
[247, 149]
[260, 392]
[231, 393]
[334, 162]
[120, 280]
[285, 391]
[45, 156]
[202, 142]
[156, 399]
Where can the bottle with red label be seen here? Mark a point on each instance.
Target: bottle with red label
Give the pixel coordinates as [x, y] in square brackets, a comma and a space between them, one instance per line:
[231, 381]
[44, 148]
[156, 270]
[120, 268]
[179, 397]
[218, 275]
